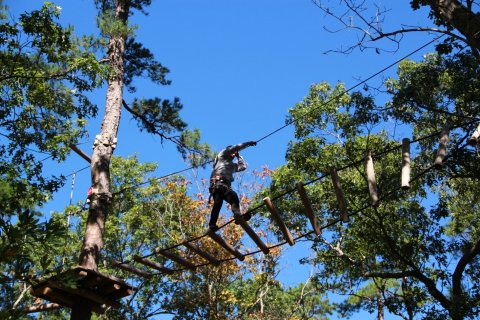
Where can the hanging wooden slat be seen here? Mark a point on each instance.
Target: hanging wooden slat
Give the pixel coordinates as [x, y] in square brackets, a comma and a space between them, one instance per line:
[475, 136]
[342, 203]
[178, 259]
[371, 180]
[131, 269]
[308, 208]
[442, 148]
[207, 256]
[278, 220]
[218, 239]
[252, 234]
[405, 163]
[153, 264]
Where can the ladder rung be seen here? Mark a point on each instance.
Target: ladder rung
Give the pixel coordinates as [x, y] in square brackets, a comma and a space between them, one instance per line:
[132, 269]
[153, 264]
[207, 256]
[218, 239]
[342, 203]
[278, 220]
[252, 234]
[308, 208]
[178, 259]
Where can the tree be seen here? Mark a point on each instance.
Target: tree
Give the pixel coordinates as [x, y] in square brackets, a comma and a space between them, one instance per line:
[418, 263]
[457, 20]
[45, 75]
[166, 212]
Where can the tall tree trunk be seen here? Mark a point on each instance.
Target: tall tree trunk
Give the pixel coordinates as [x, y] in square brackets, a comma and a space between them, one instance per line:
[102, 154]
[460, 17]
[380, 307]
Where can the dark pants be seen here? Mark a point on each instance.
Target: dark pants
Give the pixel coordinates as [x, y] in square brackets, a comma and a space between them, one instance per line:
[219, 195]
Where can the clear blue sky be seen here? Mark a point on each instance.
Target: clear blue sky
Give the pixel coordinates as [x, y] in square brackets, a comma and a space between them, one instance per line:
[237, 67]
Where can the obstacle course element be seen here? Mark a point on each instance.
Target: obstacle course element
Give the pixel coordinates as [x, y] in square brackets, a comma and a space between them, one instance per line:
[129, 268]
[371, 180]
[207, 256]
[337, 187]
[178, 259]
[308, 208]
[95, 287]
[239, 219]
[218, 239]
[442, 148]
[405, 164]
[475, 137]
[278, 220]
[153, 265]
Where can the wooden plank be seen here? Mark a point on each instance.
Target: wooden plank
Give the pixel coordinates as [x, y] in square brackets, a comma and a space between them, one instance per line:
[42, 308]
[123, 292]
[47, 293]
[87, 294]
[80, 153]
[153, 264]
[218, 239]
[252, 234]
[92, 281]
[405, 163]
[65, 300]
[371, 180]
[178, 259]
[278, 220]
[308, 208]
[132, 269]
[342, 203]
[207, 256]
[442, 148]
[475, 137]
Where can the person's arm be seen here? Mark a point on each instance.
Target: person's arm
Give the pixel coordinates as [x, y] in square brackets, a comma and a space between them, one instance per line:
[241, 164]
[237, 147]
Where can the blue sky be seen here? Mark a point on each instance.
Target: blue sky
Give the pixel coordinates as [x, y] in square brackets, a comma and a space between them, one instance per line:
[237, 66]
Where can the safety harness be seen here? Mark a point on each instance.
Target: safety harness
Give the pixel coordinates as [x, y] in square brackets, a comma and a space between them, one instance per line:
[218, 183]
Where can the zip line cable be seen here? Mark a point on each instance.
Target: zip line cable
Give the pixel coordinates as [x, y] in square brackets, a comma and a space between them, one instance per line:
[351, 88]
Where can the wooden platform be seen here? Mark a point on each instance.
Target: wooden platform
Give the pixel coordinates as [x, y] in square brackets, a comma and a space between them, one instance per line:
[82, 283]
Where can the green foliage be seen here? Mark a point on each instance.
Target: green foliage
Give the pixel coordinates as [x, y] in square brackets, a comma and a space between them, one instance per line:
[45, 73]
[140, 62]
[400, 252]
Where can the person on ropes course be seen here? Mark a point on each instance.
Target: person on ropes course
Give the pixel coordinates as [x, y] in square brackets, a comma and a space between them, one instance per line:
[221, 180]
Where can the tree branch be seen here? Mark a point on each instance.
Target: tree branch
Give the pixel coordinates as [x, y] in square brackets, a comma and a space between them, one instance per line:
[467, 257]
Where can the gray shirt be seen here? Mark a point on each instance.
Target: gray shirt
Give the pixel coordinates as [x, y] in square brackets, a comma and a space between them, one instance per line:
[224, 166]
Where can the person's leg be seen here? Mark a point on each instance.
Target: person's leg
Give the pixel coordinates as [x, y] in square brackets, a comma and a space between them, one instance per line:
[217, 205]
[232, 198]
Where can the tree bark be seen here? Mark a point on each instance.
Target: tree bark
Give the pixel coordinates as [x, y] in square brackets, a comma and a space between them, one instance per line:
[100, 165]
[460, 17]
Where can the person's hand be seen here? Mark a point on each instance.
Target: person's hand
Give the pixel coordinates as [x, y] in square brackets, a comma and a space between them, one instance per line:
[253, 143]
